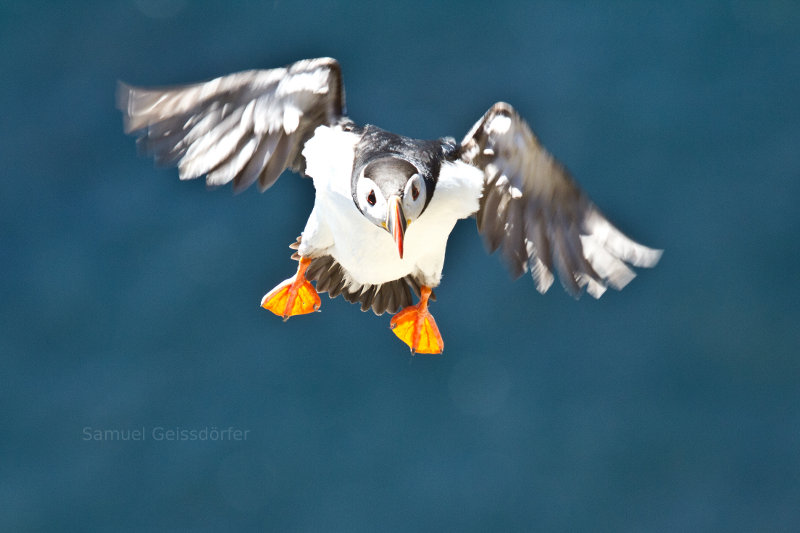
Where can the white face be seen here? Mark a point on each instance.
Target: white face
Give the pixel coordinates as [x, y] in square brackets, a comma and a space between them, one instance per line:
[374, 205]
[371, 201]
[414, 197]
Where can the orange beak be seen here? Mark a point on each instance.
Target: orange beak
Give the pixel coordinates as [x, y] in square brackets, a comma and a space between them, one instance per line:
[396, 222]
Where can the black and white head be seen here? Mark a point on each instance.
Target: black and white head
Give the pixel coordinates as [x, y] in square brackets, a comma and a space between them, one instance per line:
[392, 193]
[394, 178]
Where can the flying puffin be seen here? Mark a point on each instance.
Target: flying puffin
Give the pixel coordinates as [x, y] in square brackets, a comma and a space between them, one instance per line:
[385, 204]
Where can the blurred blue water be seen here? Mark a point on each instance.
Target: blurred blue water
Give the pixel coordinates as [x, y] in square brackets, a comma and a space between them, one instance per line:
[130, 300]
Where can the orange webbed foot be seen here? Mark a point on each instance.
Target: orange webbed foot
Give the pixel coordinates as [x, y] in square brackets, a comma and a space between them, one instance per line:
[294, 296]
[416, 327]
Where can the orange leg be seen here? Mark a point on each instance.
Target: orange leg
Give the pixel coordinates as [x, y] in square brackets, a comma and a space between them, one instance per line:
[416, 327]
[294, 296]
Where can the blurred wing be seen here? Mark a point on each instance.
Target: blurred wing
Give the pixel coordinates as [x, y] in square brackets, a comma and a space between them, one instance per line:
[537, 214]
[242, 127]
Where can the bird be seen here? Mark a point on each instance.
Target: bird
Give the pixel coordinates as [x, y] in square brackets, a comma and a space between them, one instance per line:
[385, 204]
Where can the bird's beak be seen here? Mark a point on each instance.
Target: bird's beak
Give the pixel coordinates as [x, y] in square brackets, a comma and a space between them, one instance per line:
[396, 222]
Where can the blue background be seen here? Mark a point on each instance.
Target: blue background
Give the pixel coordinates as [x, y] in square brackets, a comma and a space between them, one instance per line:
[130, 299]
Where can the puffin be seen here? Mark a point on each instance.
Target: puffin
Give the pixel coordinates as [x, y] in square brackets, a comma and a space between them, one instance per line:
[384, 203]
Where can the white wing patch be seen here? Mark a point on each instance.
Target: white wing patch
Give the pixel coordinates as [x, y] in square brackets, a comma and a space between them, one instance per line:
[291, 118]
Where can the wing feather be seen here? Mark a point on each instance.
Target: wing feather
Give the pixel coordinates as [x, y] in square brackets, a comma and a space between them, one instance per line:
[244, 127]
[277, 162]
[537, 214]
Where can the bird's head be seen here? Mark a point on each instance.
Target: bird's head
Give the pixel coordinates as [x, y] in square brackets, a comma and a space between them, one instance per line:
[391, 193]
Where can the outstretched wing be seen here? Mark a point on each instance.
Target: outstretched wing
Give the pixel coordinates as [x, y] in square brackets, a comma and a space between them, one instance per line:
[242, 127]
[537, 214]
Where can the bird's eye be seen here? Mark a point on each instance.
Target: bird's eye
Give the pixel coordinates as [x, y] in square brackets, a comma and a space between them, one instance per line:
[414, 192]
[371, 198]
